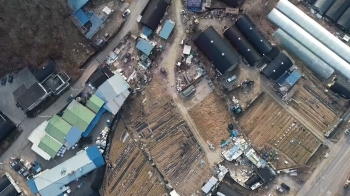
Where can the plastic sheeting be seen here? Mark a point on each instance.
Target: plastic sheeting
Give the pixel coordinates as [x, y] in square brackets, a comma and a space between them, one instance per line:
[314, 29]
[308, 58]
[309, 42]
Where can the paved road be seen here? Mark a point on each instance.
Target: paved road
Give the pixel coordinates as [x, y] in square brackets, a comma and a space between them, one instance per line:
[22, 145]
[329, 177]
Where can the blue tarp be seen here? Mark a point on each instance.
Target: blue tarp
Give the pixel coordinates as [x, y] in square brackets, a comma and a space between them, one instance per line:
[167, 29]
[81, 16]
[73, 135]
[146, 31]
[95, 155]
[194, 5]
[282, 79]
[94, 122]
[144, 46]
[293, 78]
[75, 5]
[32, 186]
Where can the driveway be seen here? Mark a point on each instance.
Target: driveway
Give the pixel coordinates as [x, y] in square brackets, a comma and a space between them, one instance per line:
[22, 144]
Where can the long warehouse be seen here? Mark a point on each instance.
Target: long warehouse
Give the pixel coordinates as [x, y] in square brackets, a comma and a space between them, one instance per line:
[321, 6]
[315, 29]
[308, 58]
[237, 39]
[337, 10]
[309, 42]
[344, 21]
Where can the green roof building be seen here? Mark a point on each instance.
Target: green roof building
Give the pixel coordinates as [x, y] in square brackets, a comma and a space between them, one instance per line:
[95, 103]
[58, 128]
[78, 115]
[49, 145]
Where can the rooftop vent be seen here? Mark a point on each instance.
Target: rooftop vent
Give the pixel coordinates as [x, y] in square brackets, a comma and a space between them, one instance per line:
[211, 41]
[223, 54]
[248, 50]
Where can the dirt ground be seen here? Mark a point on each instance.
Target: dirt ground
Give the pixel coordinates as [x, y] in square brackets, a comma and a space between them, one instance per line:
[269, 126]
[131, 172]
[31, 31]
[212, 117]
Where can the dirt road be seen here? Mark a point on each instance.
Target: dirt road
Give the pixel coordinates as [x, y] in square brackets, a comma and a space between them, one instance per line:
[174, 51]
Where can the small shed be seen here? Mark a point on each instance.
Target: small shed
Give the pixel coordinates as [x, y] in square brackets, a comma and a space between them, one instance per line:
[82, 17]
[107, 10]
[145, 47]
[146, 31]
[167, 29]
[209, 185]
[293, 78]
[187, 49]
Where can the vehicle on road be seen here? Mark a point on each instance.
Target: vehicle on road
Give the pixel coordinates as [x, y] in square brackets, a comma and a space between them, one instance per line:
[347, 182]
[3, 81]
[30, 176]
[346, 131]
[10, 78]
[25, 173]
[230, 79]
[81, 184]
[126, 13]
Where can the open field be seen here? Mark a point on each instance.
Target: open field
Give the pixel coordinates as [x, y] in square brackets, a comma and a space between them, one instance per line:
[212, 117]
[265, 122]
[179, 158]
[131, 172]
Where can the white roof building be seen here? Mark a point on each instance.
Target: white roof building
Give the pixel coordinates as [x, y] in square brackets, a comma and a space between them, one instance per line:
[114, 92]
[55, 181]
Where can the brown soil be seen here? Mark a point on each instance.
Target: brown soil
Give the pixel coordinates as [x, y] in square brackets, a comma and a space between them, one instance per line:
[212, 117]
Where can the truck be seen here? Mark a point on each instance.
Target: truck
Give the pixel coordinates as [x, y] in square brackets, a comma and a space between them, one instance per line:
[347, 182]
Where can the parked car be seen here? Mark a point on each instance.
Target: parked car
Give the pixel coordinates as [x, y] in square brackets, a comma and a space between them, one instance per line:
[15, 166]
[81, 184]
[3, 81]
[10, 78]
[25, 173]
[230, 79]
[346, 131]
[126, 13]
[21, 171]
[30, 176]
[285, 186]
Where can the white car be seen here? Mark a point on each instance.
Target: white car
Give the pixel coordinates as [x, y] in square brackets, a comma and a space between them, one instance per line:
[346, 131]
[230, 79]
[126, 13]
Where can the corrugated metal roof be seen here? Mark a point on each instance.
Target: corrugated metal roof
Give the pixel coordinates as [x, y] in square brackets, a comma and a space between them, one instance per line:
[51, 181]
[337, 9]
[153, 13]
[95, 103]
[76, 4]
[58, 128]
[116, 103]
[306, 56]
[293, 78]
[40, 152]
[38, 133]
[73, 136]
[144, 46]
[314, 29]
[167, 29]
[276, 68]
[82, 17]
[95, 155]
[78, 115]
[309, 42]
[49, 145]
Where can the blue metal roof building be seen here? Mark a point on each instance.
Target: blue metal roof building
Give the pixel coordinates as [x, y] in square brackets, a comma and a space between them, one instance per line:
[81, 16]
[75, 5]
[293, 78]
[73, 136]
[145, 47]
[146, 31]
[94, 122]
[194, 5]
[167, 29]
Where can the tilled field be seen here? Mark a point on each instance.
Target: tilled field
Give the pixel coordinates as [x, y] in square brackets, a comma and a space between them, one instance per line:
[314, 109]
[131, 172]
[179, 158]
[266, 122]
